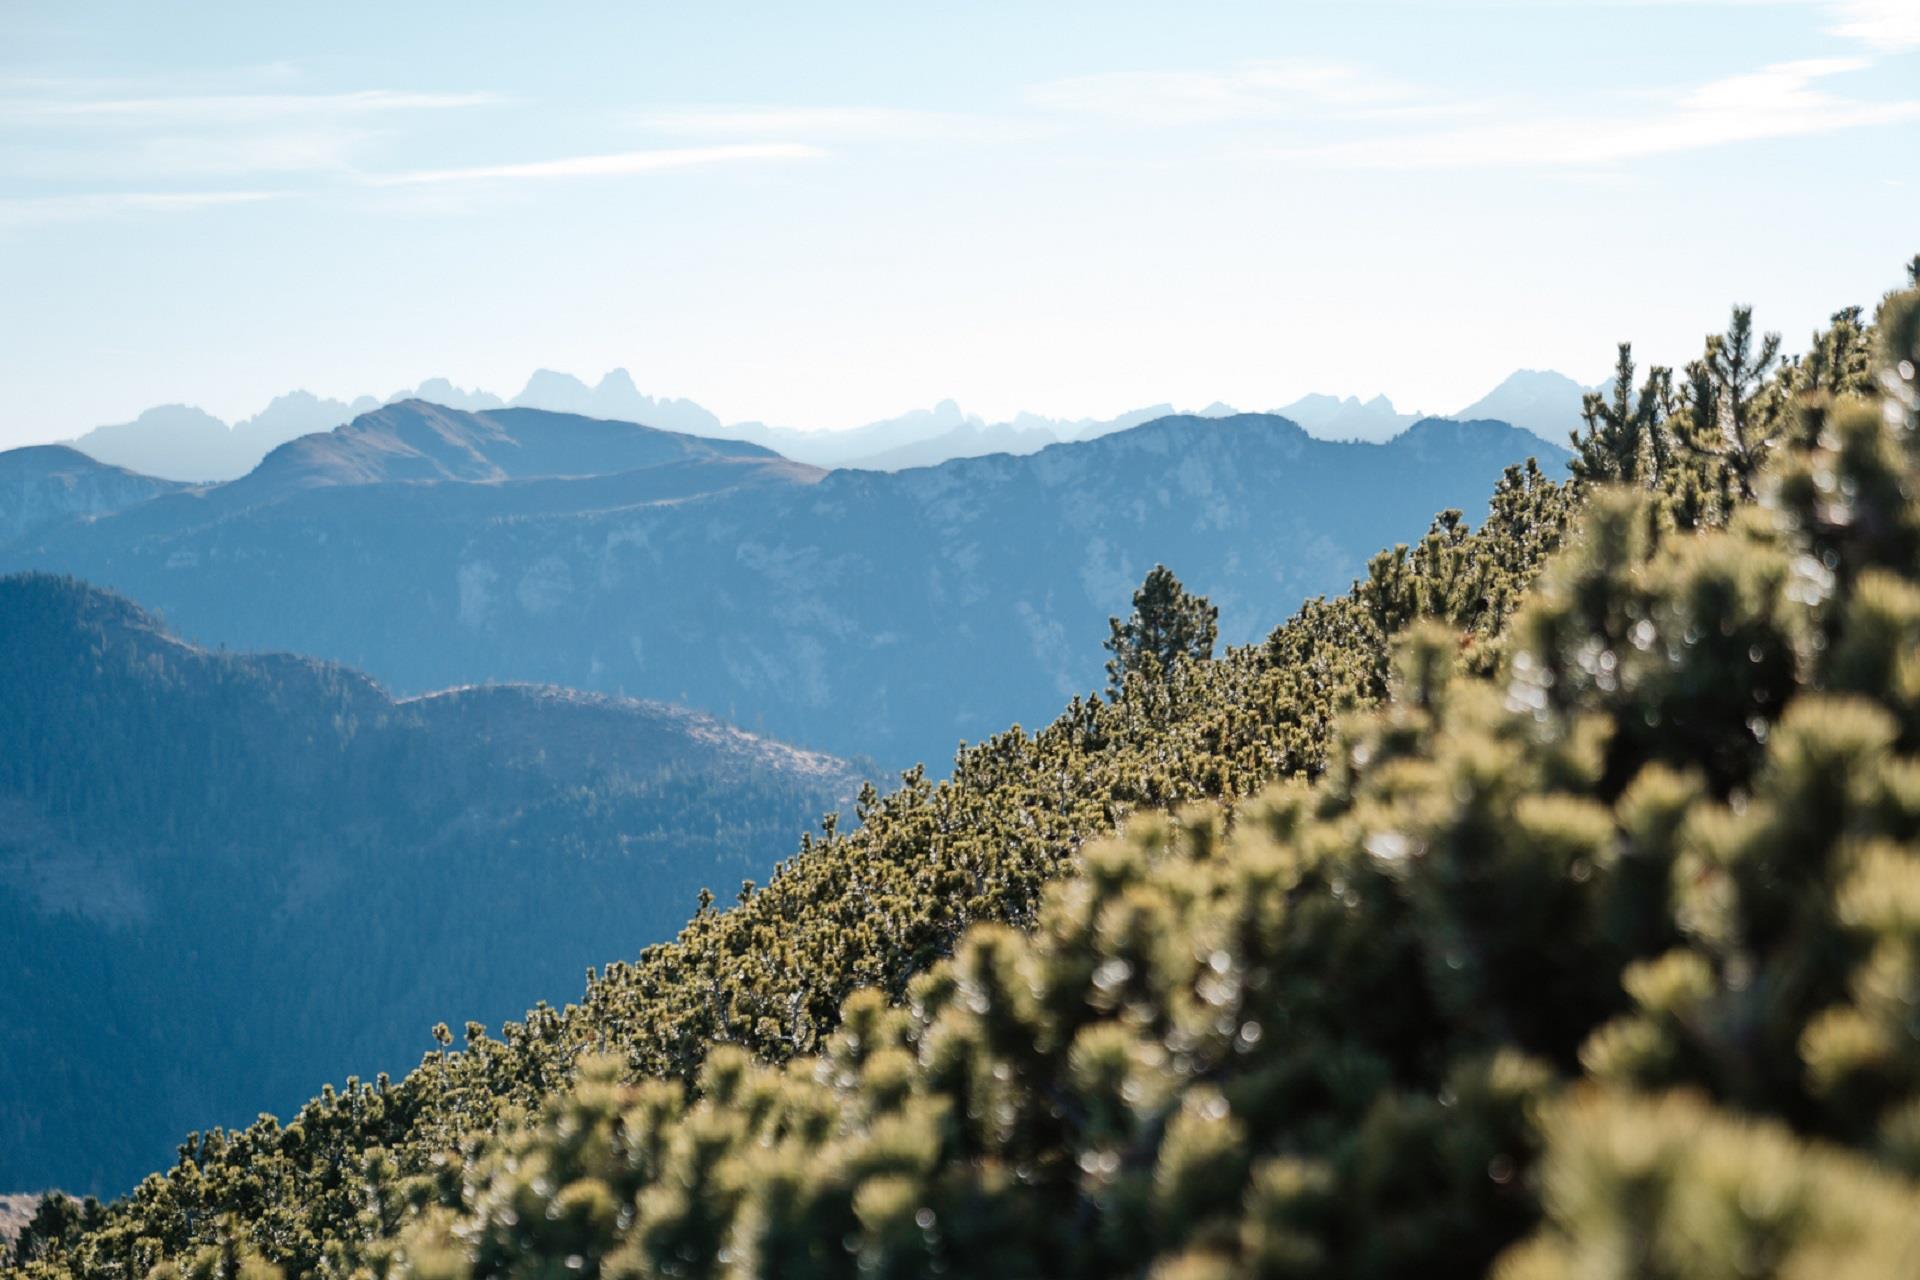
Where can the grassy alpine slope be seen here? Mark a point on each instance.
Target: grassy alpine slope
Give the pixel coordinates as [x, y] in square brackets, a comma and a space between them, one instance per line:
[1588, 952]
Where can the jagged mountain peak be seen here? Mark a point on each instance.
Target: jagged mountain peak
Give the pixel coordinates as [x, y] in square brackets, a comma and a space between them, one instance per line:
[443, 391]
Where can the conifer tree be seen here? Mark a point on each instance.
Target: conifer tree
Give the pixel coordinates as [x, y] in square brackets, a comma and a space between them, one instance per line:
[1735, 409]
[1838, 359]
[1168, 624]
[1625, 440]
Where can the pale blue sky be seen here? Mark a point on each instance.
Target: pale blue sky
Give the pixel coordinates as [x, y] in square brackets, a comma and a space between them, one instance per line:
[824, 214]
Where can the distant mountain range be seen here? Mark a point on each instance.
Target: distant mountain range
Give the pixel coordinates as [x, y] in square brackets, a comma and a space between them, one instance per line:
[176, 442]
[225, 879]
[43, 484]
[1545, 403]
[1333, 418]
[862, 612]
[415, 441]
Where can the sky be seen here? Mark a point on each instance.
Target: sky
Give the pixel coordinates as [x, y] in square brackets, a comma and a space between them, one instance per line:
[826, 214]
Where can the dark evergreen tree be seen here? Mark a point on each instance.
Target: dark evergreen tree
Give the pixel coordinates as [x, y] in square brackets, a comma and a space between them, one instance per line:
[1626, 440]
[56, 1220]
[1837, 360]
[1168, 625]
[1735, 408]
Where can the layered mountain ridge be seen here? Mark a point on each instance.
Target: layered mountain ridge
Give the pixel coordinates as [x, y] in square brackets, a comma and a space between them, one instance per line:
[878, 614]
[414, 440]
[187, 444]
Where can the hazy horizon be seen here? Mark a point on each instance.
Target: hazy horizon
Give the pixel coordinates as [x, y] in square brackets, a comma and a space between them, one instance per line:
[827, 219]
[511, 394]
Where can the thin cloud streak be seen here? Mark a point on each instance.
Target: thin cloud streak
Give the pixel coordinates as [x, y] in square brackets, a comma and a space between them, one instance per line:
[1779, 101]
[1250, 92]
[312, 150]
[1885, 24]
[29, 210]
[97, 133]
[619, 164]
[1893, 25]
[865, 123]
[236, 108]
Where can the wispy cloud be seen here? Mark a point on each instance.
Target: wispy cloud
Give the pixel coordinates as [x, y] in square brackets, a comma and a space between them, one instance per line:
[1253, 91]
[1884, 24]
[27, 210]
[91, 132]
[272, 151]
[619, 164]
[87, 133]
[859, 123]
[1780, 101]
[226, 109]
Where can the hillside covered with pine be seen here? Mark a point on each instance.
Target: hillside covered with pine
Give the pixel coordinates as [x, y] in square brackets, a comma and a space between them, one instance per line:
[1547, 906]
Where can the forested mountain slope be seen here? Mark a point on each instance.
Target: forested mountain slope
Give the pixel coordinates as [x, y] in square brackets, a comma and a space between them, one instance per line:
[1649, 822]
[225, 879]
[869, 614]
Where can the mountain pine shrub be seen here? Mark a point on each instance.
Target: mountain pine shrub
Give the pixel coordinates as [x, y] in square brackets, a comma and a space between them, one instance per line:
[1553, 925]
